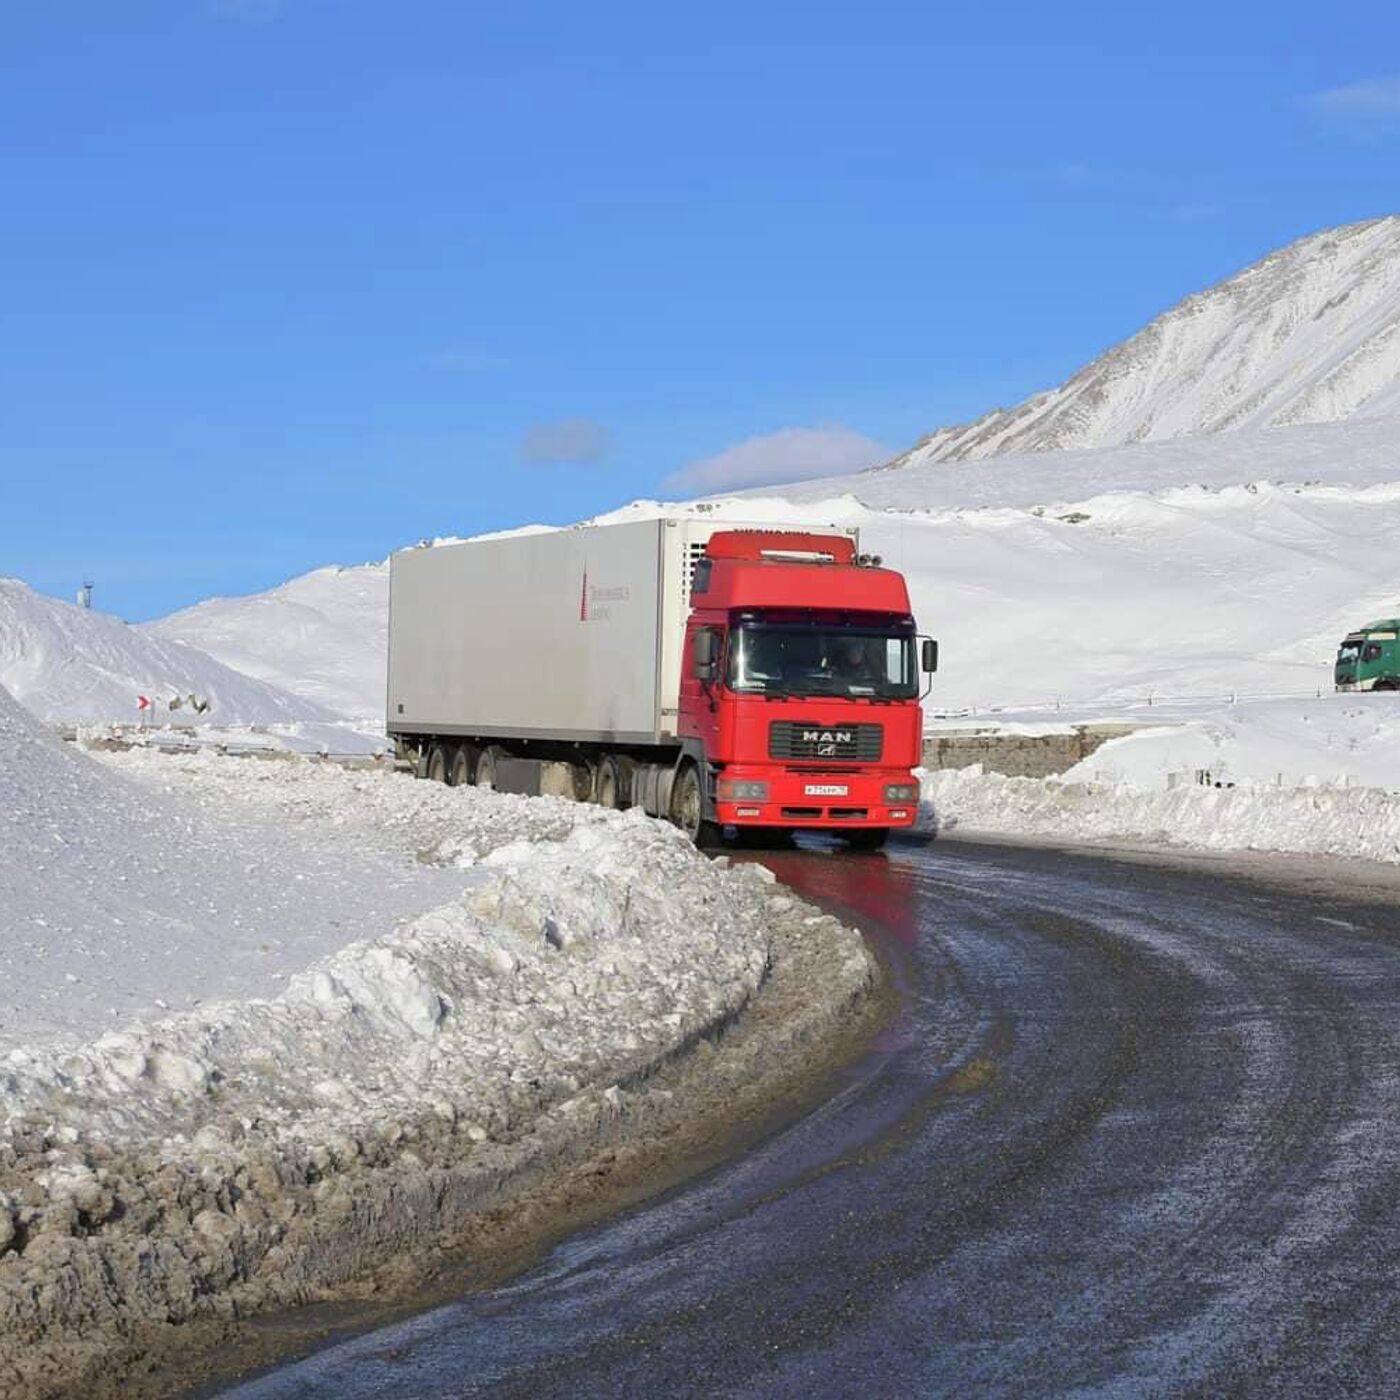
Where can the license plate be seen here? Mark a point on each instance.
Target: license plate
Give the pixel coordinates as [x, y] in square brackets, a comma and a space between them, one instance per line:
[825, 790]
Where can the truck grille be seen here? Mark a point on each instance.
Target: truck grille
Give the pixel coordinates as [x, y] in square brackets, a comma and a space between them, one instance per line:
[856, 743]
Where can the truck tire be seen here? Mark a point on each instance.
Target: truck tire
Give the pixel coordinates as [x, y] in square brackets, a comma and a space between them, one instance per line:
[486, 766]
[687, 806]
[868, 838]
[613, 785]
[463, 770]
[439, 766]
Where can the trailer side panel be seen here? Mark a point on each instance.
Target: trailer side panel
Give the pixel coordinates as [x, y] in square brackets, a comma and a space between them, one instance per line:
[554, 635]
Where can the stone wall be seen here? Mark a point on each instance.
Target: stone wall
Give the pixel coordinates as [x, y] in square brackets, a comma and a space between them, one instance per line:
[1017, 755]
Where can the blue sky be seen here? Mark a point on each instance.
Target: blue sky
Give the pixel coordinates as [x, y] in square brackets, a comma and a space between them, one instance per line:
[289, 282]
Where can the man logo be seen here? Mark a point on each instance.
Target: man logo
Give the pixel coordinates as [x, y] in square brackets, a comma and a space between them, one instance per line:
[831, 737]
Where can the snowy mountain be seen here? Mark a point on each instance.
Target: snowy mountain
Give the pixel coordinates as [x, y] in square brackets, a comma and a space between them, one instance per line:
[1310, 334]
[323, 636]
[68, 664]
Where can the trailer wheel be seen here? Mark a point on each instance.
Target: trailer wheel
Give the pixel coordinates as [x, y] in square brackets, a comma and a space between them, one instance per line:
[868, 838]
[687, 807]
[486, 766]
[613, 788]
[464, 766]
[439, 765]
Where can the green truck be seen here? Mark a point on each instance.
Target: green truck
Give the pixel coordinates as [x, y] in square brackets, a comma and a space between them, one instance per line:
[1369, 658]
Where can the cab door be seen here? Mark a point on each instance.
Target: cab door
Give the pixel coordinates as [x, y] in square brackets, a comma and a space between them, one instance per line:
[702, 678]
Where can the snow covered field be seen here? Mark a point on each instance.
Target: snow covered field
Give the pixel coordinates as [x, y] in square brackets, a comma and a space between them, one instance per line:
[277, 1017]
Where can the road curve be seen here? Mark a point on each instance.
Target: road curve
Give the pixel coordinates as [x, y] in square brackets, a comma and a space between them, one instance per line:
[1136, 1130]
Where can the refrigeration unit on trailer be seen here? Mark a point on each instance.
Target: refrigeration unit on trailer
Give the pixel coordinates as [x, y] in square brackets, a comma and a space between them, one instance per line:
[716, 674]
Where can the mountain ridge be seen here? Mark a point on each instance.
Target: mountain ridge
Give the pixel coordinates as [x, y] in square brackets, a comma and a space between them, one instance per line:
[1310, 333]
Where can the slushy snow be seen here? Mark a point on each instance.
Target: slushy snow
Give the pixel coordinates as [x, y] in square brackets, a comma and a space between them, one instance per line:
[270, 1018]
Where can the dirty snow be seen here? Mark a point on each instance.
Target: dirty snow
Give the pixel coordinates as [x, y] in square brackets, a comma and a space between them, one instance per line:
[270, 1019]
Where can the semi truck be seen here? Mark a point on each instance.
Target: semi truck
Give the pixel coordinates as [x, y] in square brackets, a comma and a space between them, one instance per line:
[751, 678]
[1369, 659]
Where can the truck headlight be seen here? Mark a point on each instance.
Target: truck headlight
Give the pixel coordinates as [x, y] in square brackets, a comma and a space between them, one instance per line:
[901, 792]
[733, 790]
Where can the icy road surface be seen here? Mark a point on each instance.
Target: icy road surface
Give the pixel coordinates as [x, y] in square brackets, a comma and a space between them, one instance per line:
[1137, 1131]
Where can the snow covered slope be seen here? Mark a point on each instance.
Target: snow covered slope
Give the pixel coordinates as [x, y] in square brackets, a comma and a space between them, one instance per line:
[67, 664]
[1310, 334]
[322, 636]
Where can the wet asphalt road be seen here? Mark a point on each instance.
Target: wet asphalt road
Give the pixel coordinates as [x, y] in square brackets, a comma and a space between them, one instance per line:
[1136, 1131]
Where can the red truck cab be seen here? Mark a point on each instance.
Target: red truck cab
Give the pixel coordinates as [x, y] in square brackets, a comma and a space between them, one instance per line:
[801, 687]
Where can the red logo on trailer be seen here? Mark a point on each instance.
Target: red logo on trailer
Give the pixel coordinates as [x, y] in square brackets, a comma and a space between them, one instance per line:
[143, 702]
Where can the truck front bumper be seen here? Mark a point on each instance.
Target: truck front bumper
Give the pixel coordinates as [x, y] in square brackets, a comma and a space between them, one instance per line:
[823, 801]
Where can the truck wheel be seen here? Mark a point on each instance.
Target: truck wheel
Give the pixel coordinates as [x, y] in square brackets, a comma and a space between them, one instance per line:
[486, 766]
[463, 773]
[613, 787]
[438, 764]
[687, 806]
[870, 838]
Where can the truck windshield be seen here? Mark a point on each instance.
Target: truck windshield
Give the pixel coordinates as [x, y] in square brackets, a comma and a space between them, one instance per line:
[1350, 649]
[777, 660]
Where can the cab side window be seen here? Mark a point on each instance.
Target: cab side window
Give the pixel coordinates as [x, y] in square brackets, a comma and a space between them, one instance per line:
[1371, 651]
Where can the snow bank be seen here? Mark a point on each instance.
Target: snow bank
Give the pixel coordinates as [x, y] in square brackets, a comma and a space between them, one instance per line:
[1337, 738]
[120, 898]
[265, 1150]
[1324, 819]
[69, 664]
[324, 636]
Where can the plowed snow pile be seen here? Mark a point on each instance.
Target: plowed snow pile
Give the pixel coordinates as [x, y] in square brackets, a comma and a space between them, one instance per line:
[467, 1007]
[117, 900]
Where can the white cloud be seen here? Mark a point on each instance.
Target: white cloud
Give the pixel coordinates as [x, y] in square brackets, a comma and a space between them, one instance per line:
[790, 454]
[570, 441]
[1376, 100]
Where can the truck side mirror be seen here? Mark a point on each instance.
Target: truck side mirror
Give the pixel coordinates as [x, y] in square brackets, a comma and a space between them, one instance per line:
[704, 653]
[930, 656]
